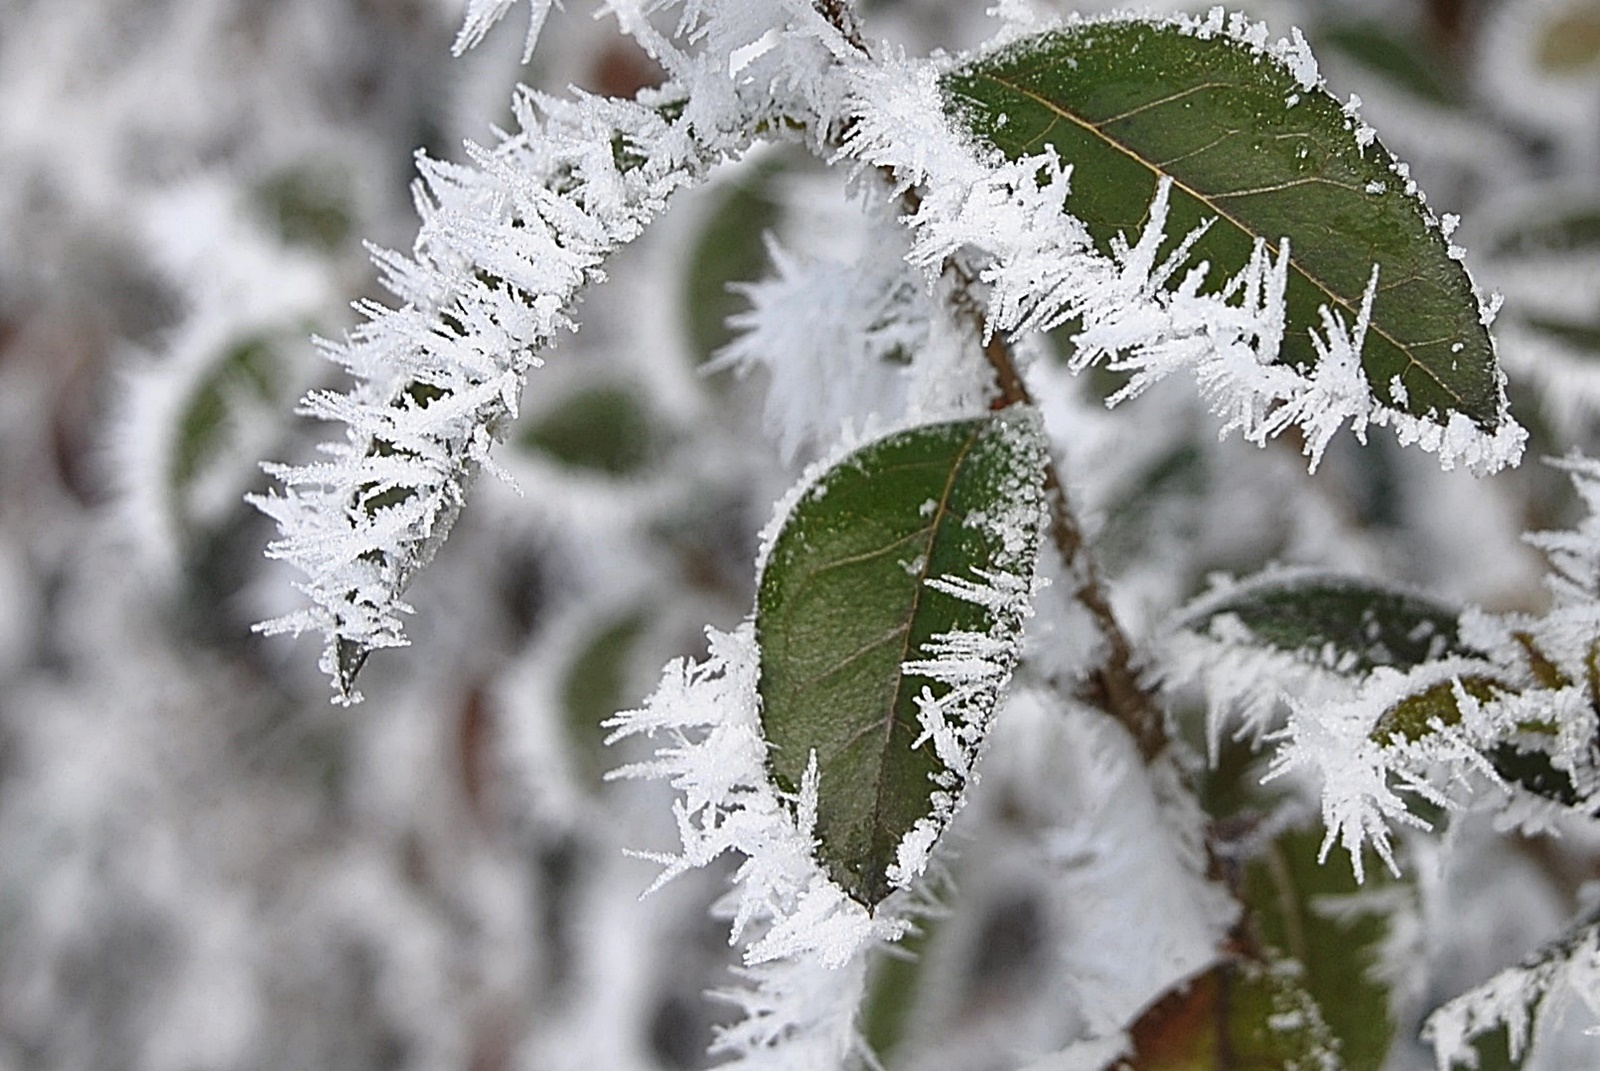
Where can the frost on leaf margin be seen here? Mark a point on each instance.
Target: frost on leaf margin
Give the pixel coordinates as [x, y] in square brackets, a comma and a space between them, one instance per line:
[1043, 269]
[506, 244]
[1523, 714]
[806, 942]
[1528, 1000]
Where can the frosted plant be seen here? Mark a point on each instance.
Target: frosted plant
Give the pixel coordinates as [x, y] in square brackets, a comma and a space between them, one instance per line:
[1118, 197]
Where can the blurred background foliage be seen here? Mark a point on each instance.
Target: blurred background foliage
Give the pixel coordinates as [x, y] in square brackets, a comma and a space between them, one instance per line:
[204, 865]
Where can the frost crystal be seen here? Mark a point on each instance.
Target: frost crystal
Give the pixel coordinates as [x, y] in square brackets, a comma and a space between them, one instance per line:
[506, 245]
[1547, 982]
[805, 940]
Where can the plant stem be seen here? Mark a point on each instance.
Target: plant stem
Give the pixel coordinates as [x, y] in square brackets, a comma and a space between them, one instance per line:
[1114, 686]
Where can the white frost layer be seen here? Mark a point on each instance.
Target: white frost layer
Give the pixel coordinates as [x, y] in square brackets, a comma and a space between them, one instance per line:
[506, 245]
[805, 940]
[1529, 1000]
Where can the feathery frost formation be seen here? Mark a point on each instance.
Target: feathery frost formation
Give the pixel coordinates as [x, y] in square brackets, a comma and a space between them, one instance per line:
[505, 246]
[805, 939]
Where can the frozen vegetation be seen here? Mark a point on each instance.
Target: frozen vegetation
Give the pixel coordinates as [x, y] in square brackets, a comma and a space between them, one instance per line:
[883, 535]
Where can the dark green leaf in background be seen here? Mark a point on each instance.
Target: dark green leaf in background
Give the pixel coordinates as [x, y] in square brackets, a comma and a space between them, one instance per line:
[1345, 622]
[731, 249]
[1235, 1016]
[1286, 891]
[1406, 60]
[596, 686]
[844, 602]
[1127, 102]
[604, 429]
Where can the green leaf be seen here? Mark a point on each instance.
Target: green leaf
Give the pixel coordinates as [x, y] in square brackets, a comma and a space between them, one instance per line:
[1572, 226]
[595, 687]
[604, 429]
[1416, 716]
[250, 371]
[307, 207]
[730, 250]
[1285, 890]
[851, 597]
[1248, 146]
[1347, 623]
[1236, 1015]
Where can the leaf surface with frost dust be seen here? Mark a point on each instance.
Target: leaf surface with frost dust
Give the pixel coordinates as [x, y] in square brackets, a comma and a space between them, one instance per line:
[1256, 146]
[862, 582]
[1349, 623]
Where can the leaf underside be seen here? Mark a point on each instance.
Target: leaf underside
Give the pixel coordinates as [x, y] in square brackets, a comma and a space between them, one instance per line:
[844, 602]
[1348, 622]
[1247, 146]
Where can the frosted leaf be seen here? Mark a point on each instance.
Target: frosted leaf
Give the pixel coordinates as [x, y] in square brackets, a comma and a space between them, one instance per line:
[1013, 219]
[1364, 771]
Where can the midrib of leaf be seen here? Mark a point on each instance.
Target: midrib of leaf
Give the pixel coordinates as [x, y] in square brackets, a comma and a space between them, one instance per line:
[1210, 201]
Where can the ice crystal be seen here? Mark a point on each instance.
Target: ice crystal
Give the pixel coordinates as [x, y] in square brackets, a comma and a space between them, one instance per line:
[805, 939]
[507, 242]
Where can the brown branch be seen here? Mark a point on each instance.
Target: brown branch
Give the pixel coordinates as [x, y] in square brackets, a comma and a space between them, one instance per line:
[1113, 687]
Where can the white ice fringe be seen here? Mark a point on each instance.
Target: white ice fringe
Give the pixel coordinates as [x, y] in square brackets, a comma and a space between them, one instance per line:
[805, 940]
[1043, 270]
[506, 244]
[1529, 1000]
[1362, 778]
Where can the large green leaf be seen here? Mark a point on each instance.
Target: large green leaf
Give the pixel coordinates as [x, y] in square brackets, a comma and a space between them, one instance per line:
[1249, 146]
[1345, 622]
[1236, 1016]
[850, 599]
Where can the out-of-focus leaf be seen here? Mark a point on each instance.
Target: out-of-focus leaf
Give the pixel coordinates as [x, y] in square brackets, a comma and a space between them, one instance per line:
[250, 370]
[731, 249]
[307, 208]
[1569, 44]
[1574, 229]
[1348, 623]
[851, 594]
[1236, 1016]
[595, 688]
[1406, 60]
[1248, 146]
[1282, 889]
[1178, 475]
[892, 988]
[604, 429]
[1577, 335]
